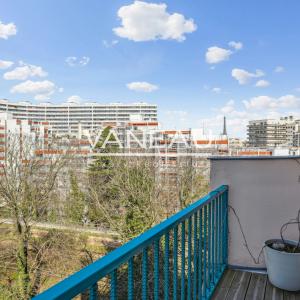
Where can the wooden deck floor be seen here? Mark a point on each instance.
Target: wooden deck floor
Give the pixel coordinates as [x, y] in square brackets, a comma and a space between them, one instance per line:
[240, 285]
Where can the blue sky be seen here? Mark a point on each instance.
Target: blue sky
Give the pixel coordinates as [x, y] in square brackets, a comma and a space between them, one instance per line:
[177, 54]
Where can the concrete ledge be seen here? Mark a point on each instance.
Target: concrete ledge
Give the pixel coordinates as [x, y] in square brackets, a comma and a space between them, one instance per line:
[252, 157]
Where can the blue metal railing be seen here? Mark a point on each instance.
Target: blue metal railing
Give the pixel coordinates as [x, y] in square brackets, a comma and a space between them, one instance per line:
[181, 258]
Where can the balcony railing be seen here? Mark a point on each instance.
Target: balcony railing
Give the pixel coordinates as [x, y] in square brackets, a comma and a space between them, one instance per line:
[183, 257]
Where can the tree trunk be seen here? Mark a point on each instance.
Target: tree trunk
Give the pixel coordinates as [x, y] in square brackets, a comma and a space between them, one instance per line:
[22, 263]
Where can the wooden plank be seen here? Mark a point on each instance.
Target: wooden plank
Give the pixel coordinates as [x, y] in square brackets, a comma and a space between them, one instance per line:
[272, 292]
[291, 295]
[257, 285]
[224, 285]
[239, 286]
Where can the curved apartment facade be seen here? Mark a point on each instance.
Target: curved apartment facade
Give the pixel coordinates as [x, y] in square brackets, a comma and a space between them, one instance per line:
[65, 118]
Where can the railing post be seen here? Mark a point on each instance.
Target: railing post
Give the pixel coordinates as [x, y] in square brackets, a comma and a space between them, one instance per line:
[213, 234]
[226, 228]
[219, 244]
[145, 274]
[130, 279]
[189, 286]
[113, 285]
[175, 257]
[223, 230]
[195, 255]
[156, 270]
[183, 260]
[200, 252]
[93, 292]
[205, 252]
[209, 246]
[166, 266]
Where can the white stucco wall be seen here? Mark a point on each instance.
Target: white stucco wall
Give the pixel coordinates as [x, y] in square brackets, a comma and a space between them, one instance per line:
[265, 194]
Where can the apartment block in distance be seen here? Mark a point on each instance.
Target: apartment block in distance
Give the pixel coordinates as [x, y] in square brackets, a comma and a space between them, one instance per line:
[38, 131]
[66, 117]
[270, 133]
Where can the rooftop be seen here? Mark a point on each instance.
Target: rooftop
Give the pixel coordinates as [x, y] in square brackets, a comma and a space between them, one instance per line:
[72, 103]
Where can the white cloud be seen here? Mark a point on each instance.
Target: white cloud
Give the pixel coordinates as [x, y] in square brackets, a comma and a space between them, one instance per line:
[142, 86]
[262, 83]
[61, 90]
[216, 90]
[260, 102]
[243, 76]
[181, 113]
[215, 55]
[109, 44]
[270, 103]
[43, 97]
[39, 88]
[236, 45]
[25, 71]
[279, 69]
[7, 30]
[261, 107]
[142, 21]
[84, 61]
[175, 119]
[71, 60]
[74, 61]
[237, 120]
[288, 101]
[228, 108]
[74, 99]
[5, 64]
[235, 125]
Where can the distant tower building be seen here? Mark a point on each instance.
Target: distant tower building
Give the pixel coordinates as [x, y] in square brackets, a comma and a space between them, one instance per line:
[272, 133]
[224, 127]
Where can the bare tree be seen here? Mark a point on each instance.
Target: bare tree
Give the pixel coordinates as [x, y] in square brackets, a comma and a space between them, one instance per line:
[191, 182]
[133, 205]
[27, 180]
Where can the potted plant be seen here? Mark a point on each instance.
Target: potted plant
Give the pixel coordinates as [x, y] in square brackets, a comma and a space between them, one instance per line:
[282, 259]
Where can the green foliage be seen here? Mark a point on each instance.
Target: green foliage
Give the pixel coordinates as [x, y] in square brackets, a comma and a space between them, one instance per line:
[104, 163]
[76, 202]
[100, 175]
[191, 184]
[137, 201]
[125, 201]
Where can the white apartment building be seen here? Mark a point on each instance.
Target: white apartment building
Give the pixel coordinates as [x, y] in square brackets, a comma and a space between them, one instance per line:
[272, 133]
[40, 132]
[65, 118]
